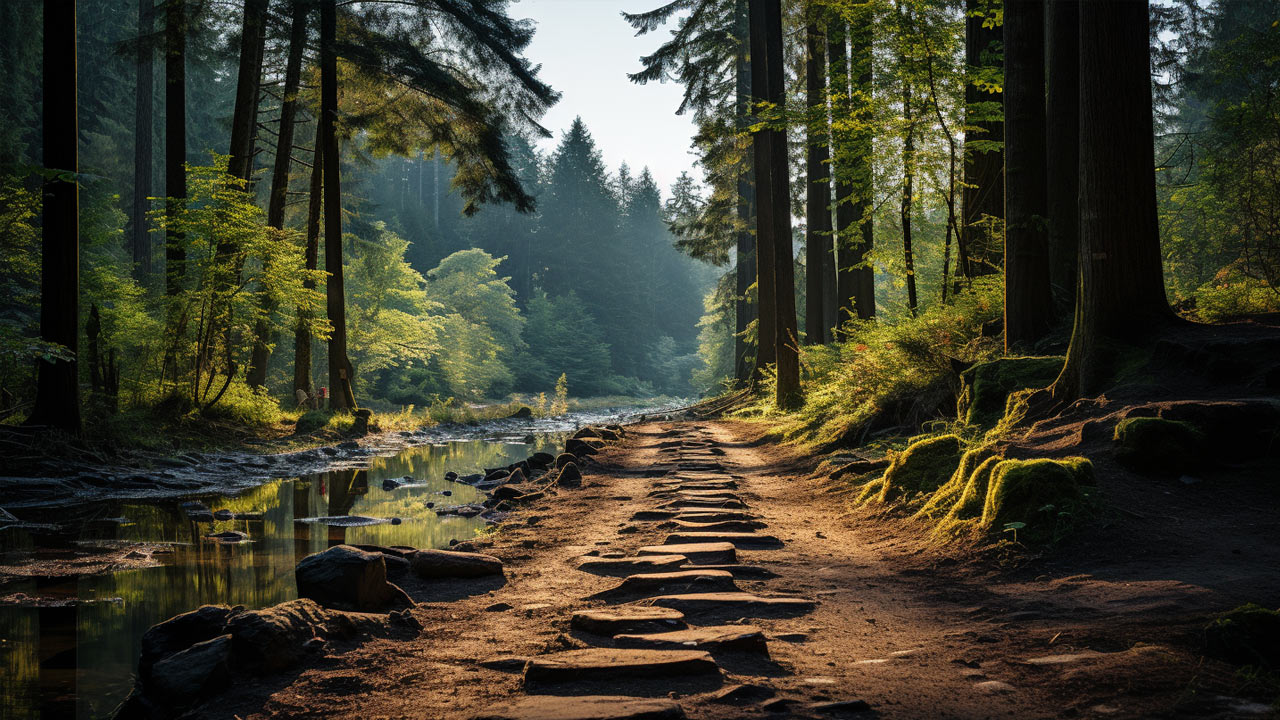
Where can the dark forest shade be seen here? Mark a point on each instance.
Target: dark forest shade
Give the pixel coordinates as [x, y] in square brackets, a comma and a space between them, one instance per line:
[983, 195]
[143, 122]
[745, 269]
[57, 384]
[1062, 136]
[341, 395]
[818, 241]
[1121, 295]
[1028, 306]
[175, 139]
[244, 121]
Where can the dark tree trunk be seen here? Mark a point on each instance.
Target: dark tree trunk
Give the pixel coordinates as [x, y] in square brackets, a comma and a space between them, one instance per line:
[143, 122]
[818, 245]
[302, 331]
[843, 160]
[341, 395]
[1062, 136]
[257, 373]
[1120, 297]
[1028, 304]
[861, 289]
[244, 121]
[983, 195]
[774, 211]
[766, 297]
[745, 275]
[175, 139]
[57, 381]
[908, 190]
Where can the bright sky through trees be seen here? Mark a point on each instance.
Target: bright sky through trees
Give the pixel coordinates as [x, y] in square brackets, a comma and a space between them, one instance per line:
[586, 51]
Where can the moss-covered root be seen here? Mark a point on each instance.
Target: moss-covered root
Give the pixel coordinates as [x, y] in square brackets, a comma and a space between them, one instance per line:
[1152, 444]
[941, 501]
[922, 468]
[987, 385]
[1041, 500]
[966, 512]
[1248, 635]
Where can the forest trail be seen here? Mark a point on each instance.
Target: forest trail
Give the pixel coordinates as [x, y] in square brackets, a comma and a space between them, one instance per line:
[780, 607]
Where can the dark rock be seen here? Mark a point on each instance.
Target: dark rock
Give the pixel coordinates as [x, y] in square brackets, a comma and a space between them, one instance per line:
[274, 638]
[432, 564]
[223, 514]
[627, 620]
[564, 459]
[348, 578]
[841, 707]
[524, 411]
[390, 484]
[741, 694]
[495, 475]
[229, 537]
[498, 607]
[612, 664]
[199, 516]
[349, 445]
[579, 447]
[507, 492]
[187, 676]
[330, 451]
[451, 476]
[541, 459]
[181, 632]
[568, 476]
[1247, 635]
[471, 479]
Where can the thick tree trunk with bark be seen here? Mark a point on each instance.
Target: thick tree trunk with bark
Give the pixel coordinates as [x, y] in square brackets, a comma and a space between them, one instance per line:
[262, 342]
[818, 241]
[861, 288]
[244, 121]
[302, 332]
[766, 296]
[908, 191]
[1062, 136]
[774, 214]
[175, 139]
[143, 122]
[983, 196]
[745, 272]
[1120, 297]
[58, 381]
[1028, 304]
[845, 210]
[341, 395]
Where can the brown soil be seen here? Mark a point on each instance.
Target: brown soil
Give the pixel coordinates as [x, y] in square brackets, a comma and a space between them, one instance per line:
[1108, 626]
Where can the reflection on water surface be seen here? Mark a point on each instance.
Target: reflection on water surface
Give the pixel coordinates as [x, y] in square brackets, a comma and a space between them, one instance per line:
[77, 661]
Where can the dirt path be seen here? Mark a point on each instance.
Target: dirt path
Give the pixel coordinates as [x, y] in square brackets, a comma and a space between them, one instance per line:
[831, 620]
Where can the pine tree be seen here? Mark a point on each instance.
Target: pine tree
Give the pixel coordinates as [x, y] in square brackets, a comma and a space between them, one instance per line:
[984, 183]
[1062, 137]
[175, 138]
[819, 247]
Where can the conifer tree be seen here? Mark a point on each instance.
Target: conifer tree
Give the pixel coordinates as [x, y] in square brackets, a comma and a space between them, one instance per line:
[175, 138]
[984, 183]
[819, 248]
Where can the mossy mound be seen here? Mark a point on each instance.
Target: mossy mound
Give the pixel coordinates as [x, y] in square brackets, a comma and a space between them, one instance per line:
[1155, 444]
[1041, 499]
[987, 385]
[922, 468]
[1248, 635]
[944, 498]
[311, 421]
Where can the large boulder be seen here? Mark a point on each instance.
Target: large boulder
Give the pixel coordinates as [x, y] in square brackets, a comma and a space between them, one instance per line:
[541, 459]
[181, 632]
[565, 459]
[581, 447]
[347, 578]
[567, 476]
[277, 637]
[185, 677]
[433, 564]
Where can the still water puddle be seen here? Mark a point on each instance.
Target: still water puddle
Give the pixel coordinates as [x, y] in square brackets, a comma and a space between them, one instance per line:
[77, 661]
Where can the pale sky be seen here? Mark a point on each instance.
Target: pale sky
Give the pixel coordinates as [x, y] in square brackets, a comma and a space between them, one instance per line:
[586, 50]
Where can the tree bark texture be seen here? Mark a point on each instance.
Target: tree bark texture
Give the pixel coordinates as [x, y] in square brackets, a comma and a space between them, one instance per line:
[143, 125]
[983, 195]
[341, 395]
[818, 241]
[766, 297]
[1062, 137]
[244, 120]
[745, 271]
[861, 291]
[302, 333]
[175, 139]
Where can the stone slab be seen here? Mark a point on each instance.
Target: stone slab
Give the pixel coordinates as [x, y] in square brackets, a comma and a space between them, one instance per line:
[686, 504]
[618, 664]
[704, 515]
[753, 572]
[670, 582]
[669, 561]
[720, 526]
[585, 707]
[704, 605]
[627, 620]
[739, 539]
[736, 638]
[712, 553]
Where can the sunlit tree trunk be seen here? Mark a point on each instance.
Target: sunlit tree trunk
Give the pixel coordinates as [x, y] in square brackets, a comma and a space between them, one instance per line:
[860, 292]
[908, 190]
[818, 243]
[244, 121]
[1028, 305]
[1062, 136]
[143, 121]
[745, 271]
[175, 139]
[57, 382]
[257, 374]
[983, 195]
[302, 331]
[845, 210]
[1120, 297]
[342, 397]
[766, 297]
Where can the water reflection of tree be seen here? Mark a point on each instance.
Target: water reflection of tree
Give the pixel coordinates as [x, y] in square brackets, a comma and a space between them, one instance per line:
[345, 487]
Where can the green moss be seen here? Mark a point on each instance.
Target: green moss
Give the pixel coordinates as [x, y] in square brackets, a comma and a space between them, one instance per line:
[1157, 444]
[922, 468]
[966, 512]
[311, 421]
[1247, 635]
[941, 501]
[1044, 496]
[988, 384]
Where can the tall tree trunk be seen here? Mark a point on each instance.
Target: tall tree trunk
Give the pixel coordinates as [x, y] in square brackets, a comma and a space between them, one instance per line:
[262, 342]
[745, 275]
[1062, 135]
[1028, 304]
[140, 237]
[244, 120]
[861, 291]
[774, 211]
[983, 195]
[58, 381]
[765, 294]
[818, 244]
[908, 190]
[842, 165]
[342, 396]
[302, 331]
[175, 140]
[1120, 297]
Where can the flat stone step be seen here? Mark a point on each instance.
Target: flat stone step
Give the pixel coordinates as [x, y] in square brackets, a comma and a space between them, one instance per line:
[694, 466]
[703, 606]
[739, 539]
[720, 526]
[692, 485]
[685, 504]
[616, 664]
[702, 515]
[751, 572]
[682, 581]
[708, 494]
[736, 638]
[634, 619]
[713, 553]
[648, 515]
[586, 707]
[652, 563]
